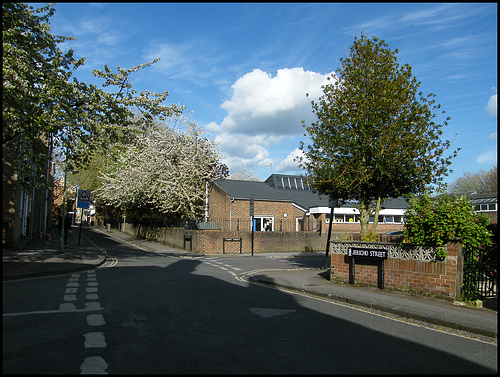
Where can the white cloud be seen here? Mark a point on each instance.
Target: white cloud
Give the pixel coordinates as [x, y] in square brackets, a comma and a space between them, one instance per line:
[488, 157]
[272, 105]
[289, 164]
[213, 127]
[263, 112]
[491, 107]
[242, 151]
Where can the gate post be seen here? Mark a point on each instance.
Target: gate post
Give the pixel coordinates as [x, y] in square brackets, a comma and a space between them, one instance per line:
[460, 273]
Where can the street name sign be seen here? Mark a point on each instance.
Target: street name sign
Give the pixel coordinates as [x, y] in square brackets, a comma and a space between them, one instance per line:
[367, 253]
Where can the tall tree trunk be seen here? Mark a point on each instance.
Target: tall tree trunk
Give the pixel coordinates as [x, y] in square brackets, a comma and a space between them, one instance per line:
[364, 218]
[372, 235]
[368, 234]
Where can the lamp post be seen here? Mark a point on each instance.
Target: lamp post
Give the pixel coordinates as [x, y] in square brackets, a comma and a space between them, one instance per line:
[63, 230]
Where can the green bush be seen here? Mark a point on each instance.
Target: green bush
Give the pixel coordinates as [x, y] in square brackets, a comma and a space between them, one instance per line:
[436, 221]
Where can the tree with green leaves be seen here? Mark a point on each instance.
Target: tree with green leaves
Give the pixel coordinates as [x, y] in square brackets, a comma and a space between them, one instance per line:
[376, 135]
[47, 113]
[112, 117]
[36, 76]
[42, 106]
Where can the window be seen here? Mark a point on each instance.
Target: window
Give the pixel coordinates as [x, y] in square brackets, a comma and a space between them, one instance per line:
[344, 219]
[353, 218]
[349, 218]
[264, 224]
[485, 207]
[292, 183]
[388, 219]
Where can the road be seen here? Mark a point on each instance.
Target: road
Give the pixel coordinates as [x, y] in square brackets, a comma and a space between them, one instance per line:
[148, 313]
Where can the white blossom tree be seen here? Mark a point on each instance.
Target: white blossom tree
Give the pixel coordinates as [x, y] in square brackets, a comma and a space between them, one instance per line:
[164, 171]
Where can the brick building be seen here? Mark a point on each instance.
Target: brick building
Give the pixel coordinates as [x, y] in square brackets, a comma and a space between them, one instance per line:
[285, 203]
[486, 204]
[26, 212]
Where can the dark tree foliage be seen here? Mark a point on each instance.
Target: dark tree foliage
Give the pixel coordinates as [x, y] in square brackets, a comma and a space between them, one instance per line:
[376, 135]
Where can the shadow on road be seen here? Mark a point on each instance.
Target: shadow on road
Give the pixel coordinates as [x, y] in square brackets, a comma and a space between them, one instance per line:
[172, 315]
[196, 323]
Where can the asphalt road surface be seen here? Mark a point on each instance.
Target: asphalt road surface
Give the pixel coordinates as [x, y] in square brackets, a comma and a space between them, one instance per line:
[148, 313]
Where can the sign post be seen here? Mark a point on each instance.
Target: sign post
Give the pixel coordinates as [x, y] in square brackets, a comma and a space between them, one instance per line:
[332, 204]
[251, 216]
[82, 202]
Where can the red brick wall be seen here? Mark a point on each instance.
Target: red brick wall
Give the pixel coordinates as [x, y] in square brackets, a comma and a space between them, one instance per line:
[353, 228]
[211, 241]
[440, 279]
[218, 205]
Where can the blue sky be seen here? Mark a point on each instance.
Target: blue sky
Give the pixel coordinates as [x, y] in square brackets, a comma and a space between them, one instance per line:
[244, 69]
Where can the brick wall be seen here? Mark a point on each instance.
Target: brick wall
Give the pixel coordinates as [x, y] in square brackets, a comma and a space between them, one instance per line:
[440, 279]
[218, 206]
[353, 228]
[211, 241]
[433, 278]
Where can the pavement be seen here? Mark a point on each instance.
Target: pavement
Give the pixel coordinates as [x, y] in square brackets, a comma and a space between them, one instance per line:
[40, 258]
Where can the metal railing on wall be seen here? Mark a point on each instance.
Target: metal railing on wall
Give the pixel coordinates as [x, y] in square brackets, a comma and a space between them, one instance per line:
[480, 273]
[240, 225]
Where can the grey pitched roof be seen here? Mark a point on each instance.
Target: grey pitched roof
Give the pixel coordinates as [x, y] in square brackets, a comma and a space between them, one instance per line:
[263, 191]
[483, 198]
[296, 192]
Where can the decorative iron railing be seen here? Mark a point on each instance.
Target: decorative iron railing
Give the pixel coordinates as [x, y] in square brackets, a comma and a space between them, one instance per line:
[395, 251]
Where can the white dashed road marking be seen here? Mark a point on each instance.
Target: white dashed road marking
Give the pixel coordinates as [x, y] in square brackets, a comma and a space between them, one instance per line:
[95, 320]
[93, 365]
[67, 307]
[94, 340]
